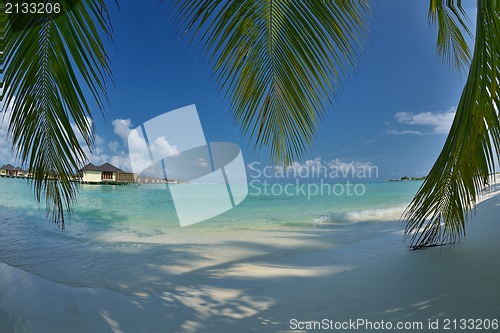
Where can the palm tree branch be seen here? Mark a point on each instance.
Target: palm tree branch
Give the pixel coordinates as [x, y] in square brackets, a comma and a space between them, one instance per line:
[439, 211]
[49, 62]
[278, 62]
[451, 20]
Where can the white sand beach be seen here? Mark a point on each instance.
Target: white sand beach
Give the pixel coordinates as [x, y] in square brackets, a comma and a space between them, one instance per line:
[375, 280]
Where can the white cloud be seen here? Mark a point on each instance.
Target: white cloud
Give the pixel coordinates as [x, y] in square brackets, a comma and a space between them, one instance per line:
[101, 154]
[318, 162]
[307, 165]
[405, 132]
[201, 163]
[122, 128]
[113, 146]
[439, 121]
[134, 141]
[113, 152]
[98, 155]
[138, 149]
[99, 141]
[338, 164]
[121, 161]
[319, 168]
[79, 136]
[161, 147]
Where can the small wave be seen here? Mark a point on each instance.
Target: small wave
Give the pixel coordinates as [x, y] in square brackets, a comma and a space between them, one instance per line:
[379, 214]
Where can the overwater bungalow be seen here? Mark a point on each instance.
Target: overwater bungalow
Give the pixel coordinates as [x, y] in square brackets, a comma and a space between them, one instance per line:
[10, 171]
[7, 170]
[104, 174]
[19, 172]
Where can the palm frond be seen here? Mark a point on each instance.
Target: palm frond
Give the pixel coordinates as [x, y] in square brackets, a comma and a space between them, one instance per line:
[451, 20]
[278, 62]
[49, 61]
[438, 213]
[3, 29]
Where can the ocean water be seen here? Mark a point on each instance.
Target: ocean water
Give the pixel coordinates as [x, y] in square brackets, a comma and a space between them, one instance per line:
[128, 239]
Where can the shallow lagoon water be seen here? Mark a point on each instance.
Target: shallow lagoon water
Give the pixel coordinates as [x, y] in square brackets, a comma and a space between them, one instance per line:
[128, 239]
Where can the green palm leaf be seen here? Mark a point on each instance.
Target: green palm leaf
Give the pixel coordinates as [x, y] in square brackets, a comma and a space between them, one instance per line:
[451, 21]
[279, 62]
[49, 61]
[438, 213]
[3, 28]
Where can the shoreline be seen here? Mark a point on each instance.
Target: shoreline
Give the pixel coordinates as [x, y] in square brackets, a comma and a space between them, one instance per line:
[375, 279]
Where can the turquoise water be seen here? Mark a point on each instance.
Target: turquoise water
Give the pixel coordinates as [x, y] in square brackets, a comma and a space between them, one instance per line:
[127, 238]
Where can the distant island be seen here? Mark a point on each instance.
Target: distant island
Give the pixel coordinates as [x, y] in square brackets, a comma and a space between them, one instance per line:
[405, 179]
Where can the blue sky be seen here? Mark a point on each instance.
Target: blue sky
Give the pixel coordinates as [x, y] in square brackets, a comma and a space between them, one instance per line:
[394, 113]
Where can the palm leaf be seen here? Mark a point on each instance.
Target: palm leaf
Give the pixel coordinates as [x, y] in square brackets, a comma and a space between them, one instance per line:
[279, 62]
[49, 61]
[451, 20]
[3, 28]
[438, 213]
